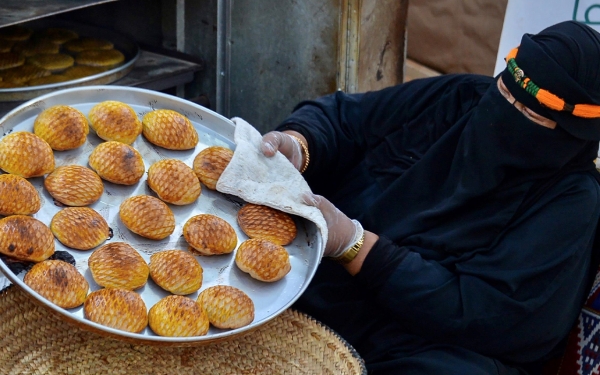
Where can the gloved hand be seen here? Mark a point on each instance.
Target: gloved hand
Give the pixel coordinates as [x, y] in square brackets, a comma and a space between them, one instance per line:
[343, 232]
[286, 144]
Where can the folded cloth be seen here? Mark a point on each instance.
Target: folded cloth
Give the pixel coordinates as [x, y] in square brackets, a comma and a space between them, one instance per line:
[269, 181]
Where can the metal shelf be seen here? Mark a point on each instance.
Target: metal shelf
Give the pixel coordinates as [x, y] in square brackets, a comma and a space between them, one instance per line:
[17, 11]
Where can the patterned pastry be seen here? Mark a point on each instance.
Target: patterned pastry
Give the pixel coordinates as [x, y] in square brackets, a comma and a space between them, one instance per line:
[74, 185]
[178, 316]
[108, 59]
[227, 306]
[210, 163]
[118, 265]
[25, 238]
[87, 43]
[209, 235]
[176, 271]
[169, 129]
[59, 282]
[51, 61]
[115, 121]
[58, 35]
[147, 216]
[48, 80]
[15, 32]
[62, 126]
[120, 309]
[26, 155]
[174, 182]
[11, 60]
[80, 71]
[18, 196]
[263, 260]
[23, 73]
[35, 47]
[80, 228]
[117, 162]
[259, 221]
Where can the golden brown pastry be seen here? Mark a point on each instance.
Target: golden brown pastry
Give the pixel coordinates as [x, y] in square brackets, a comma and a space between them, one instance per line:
[174, 182]
[11, 60]
[25, 238]
[23, 73]
[227, 306]
[74, 185]
[58, 35]
[259, 221]
[147, 216]
[176, 271]
[118, 265]
[117, 308]
[210, 163]
[51, 61]
[263, 260]
[6, 45]
[81, 71]
[209, 235]
[115, 121]
[32, 47]
[80, 228]
[169, 129]
[87, 43]
[105, 58]
[26, 155]
[62, 126]
[59, 282]
[15, 32]
[178, 316]
[48, 80]
[18, 196]
[117, 162]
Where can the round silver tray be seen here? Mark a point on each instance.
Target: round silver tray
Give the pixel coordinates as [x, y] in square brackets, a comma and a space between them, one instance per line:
[123, 44]
[270, 299]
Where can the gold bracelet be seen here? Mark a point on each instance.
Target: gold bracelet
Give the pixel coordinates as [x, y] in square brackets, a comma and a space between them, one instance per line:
[349, 255]
[305, 148]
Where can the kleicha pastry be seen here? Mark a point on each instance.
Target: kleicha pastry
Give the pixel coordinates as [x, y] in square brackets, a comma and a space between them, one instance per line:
[174, 182]
[227, 306]
[80, 71]
[11, 60]
[15, 32]
[263, 260]
[116, 308]
[210, 163]
[259, 221]
[178, 316]
[117, 162]
[26, 155]
[59, 282]
[62, 126]
[23, 73]
[176, 271]
[169, 129]
[209, 235]
[115, 121]
[87, 43]
[18, 196]
[147, 216]
[80, 228]
[104, 58]
[118, 265]
[58, 35]
[32, 47]
[25, 238]
[53, 62]
[74, 185]
[47, 80]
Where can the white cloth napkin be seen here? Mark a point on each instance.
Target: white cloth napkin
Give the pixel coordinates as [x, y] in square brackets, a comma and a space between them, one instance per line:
[272, 182]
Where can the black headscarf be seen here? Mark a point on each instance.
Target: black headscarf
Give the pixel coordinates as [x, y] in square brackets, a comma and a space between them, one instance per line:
[472, 181]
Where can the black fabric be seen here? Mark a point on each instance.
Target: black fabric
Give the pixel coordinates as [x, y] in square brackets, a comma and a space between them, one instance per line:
[562, 59]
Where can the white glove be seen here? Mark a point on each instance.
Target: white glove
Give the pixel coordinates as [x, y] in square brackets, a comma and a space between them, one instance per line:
[286, 144]
[343, 232]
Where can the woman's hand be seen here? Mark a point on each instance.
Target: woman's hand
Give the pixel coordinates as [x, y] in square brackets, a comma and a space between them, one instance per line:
[285, 143]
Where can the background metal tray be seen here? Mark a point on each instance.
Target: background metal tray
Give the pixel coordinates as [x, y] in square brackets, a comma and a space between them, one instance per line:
[123, 44]
[270, 299]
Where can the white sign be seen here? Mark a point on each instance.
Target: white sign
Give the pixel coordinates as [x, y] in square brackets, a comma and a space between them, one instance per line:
[532, 16]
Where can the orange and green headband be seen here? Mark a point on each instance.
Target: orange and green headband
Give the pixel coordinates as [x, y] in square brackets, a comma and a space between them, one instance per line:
[546, 97]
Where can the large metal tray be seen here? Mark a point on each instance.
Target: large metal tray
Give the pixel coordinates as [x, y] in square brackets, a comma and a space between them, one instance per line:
[123, 44]
[270, 299]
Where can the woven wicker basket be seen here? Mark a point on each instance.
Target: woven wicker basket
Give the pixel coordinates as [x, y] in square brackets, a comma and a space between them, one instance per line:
[34, 341]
